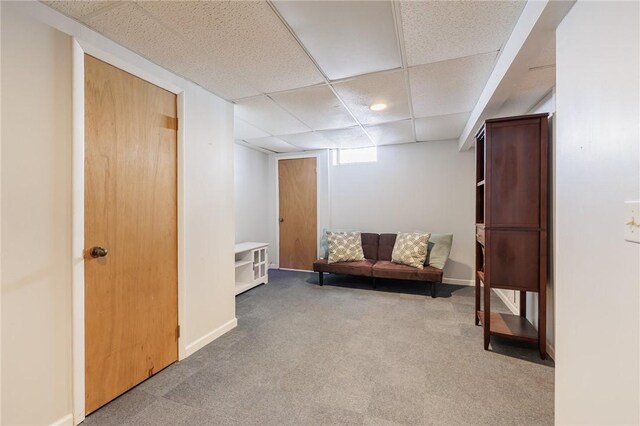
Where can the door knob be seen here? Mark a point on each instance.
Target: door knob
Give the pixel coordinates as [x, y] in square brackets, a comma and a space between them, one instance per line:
[281, 220]
[96, 252]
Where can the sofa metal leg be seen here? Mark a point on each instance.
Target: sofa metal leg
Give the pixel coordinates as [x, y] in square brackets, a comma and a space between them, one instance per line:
[321, 278]
[433, 290]
[375, 283]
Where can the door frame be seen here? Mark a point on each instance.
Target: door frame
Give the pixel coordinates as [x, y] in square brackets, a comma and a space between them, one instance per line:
[319, 222]
[79, 49]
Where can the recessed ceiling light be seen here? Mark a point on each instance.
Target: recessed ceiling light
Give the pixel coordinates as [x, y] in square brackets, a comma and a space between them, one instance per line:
[378, 107]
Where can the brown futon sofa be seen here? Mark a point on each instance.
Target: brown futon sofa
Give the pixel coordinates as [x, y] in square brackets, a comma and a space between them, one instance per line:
[377, 250]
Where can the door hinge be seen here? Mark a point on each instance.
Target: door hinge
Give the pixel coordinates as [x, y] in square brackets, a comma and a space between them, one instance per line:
[178, 332]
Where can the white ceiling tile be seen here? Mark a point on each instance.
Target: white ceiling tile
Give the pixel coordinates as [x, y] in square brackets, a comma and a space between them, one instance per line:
[215, 78]
[309, 140]
[449, 87]
[202, 70]
[353, 137]
[442, 127]
[246, 37]
[440, 30]
[132, 27]
[244, 130]
[265, 114]
[273, 144]
[388, 88]
[346, 38]
[392, 133]
[317, 107]
[80, 9]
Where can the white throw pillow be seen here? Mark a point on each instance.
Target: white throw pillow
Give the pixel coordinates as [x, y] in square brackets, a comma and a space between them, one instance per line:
[344, 247]
[410, 249]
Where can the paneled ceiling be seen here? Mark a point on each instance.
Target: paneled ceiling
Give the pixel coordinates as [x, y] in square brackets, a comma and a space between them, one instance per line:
[303, 74]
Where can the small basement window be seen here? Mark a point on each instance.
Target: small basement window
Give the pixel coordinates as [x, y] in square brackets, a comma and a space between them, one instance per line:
[354, 155]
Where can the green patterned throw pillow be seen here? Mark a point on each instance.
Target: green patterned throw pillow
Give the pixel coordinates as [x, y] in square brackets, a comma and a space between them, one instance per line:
[344, 247]
[410, 249]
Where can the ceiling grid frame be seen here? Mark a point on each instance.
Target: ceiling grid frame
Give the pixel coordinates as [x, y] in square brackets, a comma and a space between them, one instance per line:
[115, 5]
[319, 108]
[159, 21]
[221, 62]
[397, 18]
[324, 76]
[270, 96]
[105, 8]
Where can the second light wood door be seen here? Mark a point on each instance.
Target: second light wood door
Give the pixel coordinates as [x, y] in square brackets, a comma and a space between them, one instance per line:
[131, 289]
[298, 208]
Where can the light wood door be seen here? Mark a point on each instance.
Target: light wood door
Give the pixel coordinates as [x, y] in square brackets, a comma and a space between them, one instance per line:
[131, 294]
[298, 207]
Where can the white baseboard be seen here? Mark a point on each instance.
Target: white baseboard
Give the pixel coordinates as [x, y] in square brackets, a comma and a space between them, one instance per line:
[64, 421]
[458, 281]
[294, 270]
[210, 337]
[512, 307]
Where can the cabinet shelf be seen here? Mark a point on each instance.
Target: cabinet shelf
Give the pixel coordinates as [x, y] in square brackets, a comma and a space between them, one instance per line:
[509, 325]
[240, 263]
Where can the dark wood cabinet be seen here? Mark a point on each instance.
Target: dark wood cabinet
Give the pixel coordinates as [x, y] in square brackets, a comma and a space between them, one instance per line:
[511, 222]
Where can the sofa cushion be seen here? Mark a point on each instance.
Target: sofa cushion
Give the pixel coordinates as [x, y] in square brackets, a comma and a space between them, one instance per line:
[345, 247]
[410, 249]
[385, 246]
[370, 245]
[361, 268]
[388, 269]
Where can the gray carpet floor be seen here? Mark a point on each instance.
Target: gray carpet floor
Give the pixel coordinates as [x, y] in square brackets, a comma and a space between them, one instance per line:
[346, 354]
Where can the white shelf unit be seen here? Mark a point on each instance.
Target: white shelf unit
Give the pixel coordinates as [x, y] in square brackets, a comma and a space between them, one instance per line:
[252, 265]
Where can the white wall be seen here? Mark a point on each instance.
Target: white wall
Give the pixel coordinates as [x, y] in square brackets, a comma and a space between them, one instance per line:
[208, 218]
[597, 273]
[36, 210]
[36, 221]
[251, 181]
[424, 186]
